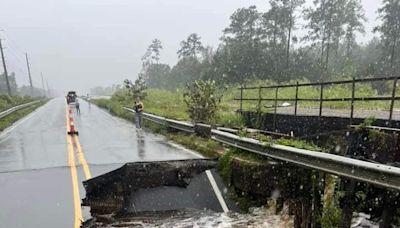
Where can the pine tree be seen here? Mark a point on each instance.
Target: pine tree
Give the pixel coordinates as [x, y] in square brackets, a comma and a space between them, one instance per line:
[354, 18]
[242, 50]
[152, 52]
[326, 22]
[389, 13]
[190, 47]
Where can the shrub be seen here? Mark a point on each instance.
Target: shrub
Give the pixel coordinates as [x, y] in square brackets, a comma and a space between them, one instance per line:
[136, 89]
[201, 100]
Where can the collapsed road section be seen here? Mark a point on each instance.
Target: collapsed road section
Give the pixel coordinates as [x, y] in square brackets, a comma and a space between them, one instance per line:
[155, 188]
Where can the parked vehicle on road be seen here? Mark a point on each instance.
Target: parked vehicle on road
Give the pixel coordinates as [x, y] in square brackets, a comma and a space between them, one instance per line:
[71, 97]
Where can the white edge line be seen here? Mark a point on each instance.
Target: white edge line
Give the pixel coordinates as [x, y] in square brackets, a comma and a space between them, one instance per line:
[217, 191]
[185, 149]
[20, 121]
[210, 177]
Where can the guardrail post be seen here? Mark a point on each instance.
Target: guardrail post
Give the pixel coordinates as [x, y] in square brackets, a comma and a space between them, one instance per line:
[353, 87]
[275, 106]
[296, 97]
[321, 96]
[202, 130]
[317, 191]
[241, 97]
[347, 210]
[392, 101]
[259, 99]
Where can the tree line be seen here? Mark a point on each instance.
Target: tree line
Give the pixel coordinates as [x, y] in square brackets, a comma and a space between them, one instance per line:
[261, 45]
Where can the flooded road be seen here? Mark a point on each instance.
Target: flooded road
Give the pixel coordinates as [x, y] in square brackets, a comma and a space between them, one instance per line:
[34, 173]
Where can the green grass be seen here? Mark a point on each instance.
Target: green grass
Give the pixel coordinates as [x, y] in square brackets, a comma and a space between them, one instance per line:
[7, 102]
[206, 147]
[297, 143]
[12, 118]
[115, 106]
[170, 103]
[292, 142]
[335, 91]
[230, 119]
[166, 103]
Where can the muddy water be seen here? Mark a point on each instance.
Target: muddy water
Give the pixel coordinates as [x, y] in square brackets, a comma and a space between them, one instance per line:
[257, 217]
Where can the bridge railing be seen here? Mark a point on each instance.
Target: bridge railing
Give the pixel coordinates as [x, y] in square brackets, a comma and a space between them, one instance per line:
[296, 99]
[378, 174]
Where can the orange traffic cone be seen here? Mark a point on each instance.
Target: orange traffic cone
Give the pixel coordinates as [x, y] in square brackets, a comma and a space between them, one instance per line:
[72, 129]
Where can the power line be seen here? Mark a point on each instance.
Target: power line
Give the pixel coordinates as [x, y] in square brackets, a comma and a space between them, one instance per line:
[14, 62]
[15, 55]
[15, 68]
[16, 51]
[17, 64]
[12, 43]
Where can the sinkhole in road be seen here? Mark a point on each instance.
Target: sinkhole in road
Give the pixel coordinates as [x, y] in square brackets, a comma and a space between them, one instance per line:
[155, 189]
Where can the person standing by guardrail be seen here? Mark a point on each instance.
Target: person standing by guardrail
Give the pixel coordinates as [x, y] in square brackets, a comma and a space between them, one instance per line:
[88, 99]
[139, 110]
[78, 110]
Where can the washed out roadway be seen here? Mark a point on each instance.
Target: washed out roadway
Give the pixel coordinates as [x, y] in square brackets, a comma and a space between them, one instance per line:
[35, 178]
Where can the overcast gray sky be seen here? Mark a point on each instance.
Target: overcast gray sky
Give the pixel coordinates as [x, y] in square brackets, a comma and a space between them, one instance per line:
[79, 44]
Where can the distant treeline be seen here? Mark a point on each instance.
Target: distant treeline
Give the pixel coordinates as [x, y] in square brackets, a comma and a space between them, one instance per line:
[262, 45]
[19, 90]
[104, 91]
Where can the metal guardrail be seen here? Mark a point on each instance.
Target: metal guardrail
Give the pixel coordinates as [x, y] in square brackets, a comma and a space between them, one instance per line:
[16, 108]
[374, 173]
[378, 174]
[179, 125]
[183, 126]
[154, 118]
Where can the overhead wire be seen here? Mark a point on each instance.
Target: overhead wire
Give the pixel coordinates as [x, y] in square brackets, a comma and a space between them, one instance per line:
[7, 36]
[15, 55]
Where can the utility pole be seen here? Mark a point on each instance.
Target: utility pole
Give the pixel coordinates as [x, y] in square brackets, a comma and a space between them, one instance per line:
[29, 73]
[48, 90]
[5, 69]
[44, 90]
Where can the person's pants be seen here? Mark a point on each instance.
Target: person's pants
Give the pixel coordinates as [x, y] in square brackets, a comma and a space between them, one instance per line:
[138, 119]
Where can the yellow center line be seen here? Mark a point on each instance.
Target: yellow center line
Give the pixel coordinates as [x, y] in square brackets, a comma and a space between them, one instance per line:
[67, 118]
[78, 218]
[81, 157]
[73, 140]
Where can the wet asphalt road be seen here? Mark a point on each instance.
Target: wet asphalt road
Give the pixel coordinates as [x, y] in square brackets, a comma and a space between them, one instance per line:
[35, 179]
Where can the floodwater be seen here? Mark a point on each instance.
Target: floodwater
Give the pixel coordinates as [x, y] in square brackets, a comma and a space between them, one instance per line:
[257, 217]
